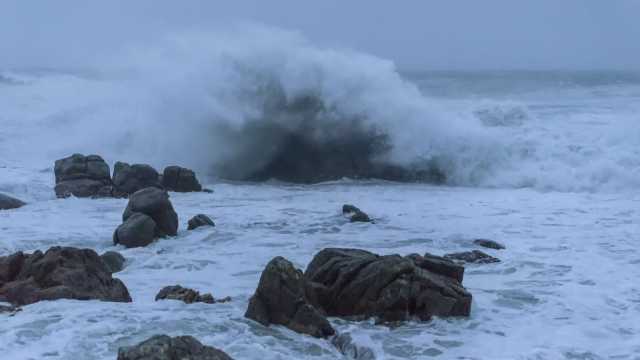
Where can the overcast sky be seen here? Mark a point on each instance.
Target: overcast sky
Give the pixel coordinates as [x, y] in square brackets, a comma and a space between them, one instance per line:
[447, 34]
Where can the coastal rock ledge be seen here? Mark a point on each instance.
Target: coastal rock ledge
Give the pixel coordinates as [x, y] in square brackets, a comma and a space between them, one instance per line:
[357, 285]
[59, 273]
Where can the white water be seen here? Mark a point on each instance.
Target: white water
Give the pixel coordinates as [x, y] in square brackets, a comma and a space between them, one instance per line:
[552, 170]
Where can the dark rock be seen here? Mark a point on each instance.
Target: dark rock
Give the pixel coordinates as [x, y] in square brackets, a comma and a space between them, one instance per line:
[280, 299]
[154, 202]
[360, 217]
[138, 230]
[489, 244]
[348, 209]
[439, 265]
[344, 343]
[357, 283]
[7, 202]
[475, 256]
[9, 309]
[209, 191]
[176, 178]
[81, 176]
[185, 295]
[113, 261]
[163, 347]
[355, 214]
[127, 179]
[59, 273]
[200, 220]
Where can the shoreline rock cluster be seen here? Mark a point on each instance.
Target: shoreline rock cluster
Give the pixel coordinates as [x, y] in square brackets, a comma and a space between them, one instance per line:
[352, 284]
[89, 176]
[357, 284]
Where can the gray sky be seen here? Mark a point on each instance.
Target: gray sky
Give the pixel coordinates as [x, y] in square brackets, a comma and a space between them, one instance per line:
[451, 34]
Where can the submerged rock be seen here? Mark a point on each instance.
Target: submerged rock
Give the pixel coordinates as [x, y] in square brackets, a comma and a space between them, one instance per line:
[475, 256]
[163, 347]
[355, 214]
[114, 261]
[280, 299]
[9, 309]
[186, 295]
[200, 220]
[59, 273]
[7, 202]
[138, 230]
[155, 203]
[81, 176]
[345, 344]
[489, 244]
[357, 283]
[127, 179]
[179, 179]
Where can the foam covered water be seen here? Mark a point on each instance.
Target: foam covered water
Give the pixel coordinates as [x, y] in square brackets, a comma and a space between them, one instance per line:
[548, 164]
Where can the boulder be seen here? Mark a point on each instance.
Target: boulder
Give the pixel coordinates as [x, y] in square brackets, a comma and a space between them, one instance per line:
[185, 295]
[355, 214]
[475, 256]
[138, 230]
[127, 179]
[113, 261]
[7, 202]
[280, 299]
[81, 176]
[179, 179]
[360, 284]
[200, 220]
[59, 273]
[489, 244]
[155, 203]
[163, 347]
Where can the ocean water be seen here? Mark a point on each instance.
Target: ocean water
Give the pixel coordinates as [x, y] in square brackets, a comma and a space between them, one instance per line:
[547, 163]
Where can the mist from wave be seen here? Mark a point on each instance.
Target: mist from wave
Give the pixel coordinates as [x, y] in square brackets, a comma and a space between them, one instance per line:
[249, 102]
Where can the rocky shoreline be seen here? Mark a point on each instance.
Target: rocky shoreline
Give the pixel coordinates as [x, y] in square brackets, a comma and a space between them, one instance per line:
[346, 283]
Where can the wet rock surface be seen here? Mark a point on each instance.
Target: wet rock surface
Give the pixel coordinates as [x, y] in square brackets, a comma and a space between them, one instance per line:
[475, 256]
[280, 299]
[137, 231]
[357, 283]
[127, 179]
[114, 261]
[59, 273]
[7, 202]
[163, 347]
[154, 202]
[439, 265]
[188, 296]
[81, 176]
[490, 244]
[355, 214]
[9, 309]
[179, 179]
[200, 220]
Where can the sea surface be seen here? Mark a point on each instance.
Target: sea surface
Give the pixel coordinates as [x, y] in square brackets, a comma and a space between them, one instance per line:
[550, 168]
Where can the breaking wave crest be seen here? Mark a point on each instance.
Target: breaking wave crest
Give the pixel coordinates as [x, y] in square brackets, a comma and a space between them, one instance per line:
[257, 103]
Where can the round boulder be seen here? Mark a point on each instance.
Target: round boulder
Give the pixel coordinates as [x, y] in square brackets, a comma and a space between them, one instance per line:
[155, 203]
